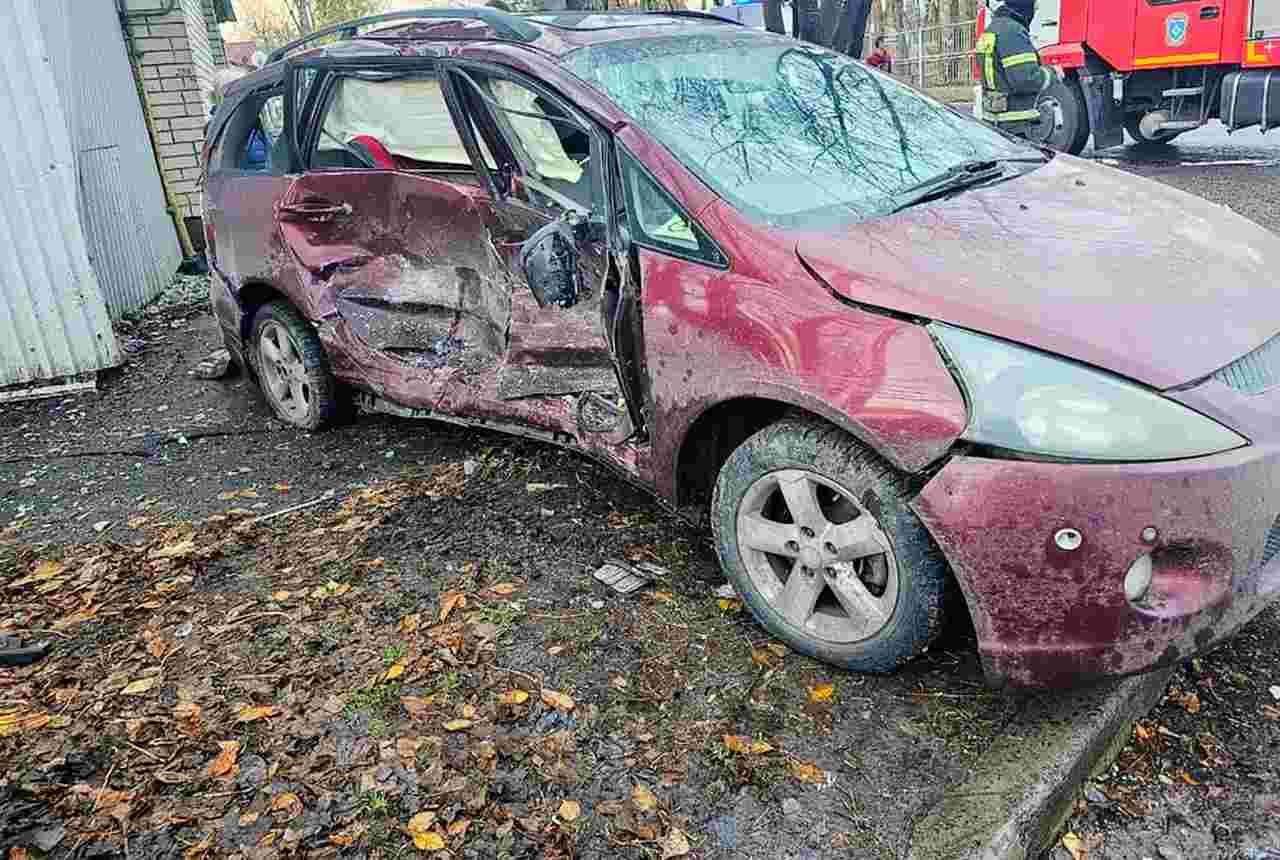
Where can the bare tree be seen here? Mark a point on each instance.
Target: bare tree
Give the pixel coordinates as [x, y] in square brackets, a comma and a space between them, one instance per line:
[276, 22]
[841, 26]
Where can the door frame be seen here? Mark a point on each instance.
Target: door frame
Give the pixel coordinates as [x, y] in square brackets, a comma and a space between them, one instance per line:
[302, 141]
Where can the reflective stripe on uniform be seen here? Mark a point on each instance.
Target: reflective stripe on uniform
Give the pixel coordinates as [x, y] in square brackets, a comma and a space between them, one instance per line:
[1020, 60]
[987, 47]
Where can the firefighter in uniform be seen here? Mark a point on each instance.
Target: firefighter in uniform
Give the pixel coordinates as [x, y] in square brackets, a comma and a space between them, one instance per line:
[1012, 77]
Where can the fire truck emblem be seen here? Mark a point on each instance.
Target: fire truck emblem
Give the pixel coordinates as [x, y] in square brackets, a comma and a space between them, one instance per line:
[1176, 28]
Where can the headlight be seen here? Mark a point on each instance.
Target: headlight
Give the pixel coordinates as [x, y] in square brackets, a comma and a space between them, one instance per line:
[1032, 403]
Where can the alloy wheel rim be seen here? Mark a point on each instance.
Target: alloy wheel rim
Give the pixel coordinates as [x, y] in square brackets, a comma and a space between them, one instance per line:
[818, 556]
[284, 372]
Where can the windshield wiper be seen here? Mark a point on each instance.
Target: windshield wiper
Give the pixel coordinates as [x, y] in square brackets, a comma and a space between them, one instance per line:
[967, 174]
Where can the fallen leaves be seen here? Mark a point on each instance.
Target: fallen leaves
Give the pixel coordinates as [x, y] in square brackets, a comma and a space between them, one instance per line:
[513, 697]
[140, 686]
[744, 745]
[42, 572]
[287, 802]
[180, 549]
[425, 837]
[458, 725]
[1189, 702]
[449, 601]
[13, 721]
[253, 714]
[231, 495]
[569, 810]
[395, 670]
[643, 798]
[821, 693]
[557, 700]
[187, 717]
[201, 848]
[807, 771]
[225, 763]
[1075, 845]
[409, 624]
[674, 844]
[416, 706]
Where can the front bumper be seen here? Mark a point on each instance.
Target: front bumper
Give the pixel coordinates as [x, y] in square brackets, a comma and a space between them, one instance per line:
[1049, 617]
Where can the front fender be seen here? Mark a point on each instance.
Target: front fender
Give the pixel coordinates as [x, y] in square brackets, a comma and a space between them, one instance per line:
[712, 336]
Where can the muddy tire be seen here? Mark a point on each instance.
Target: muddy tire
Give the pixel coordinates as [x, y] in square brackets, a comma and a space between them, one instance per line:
[802, 498]
[292, 370]
[1074, 133]
[1133, 125]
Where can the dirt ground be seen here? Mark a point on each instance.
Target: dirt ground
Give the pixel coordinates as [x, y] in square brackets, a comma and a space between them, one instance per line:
[422, 665]
[421, 658]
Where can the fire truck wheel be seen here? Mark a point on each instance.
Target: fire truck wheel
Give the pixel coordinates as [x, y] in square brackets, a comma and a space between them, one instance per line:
[1073, 134]
[1133, 125]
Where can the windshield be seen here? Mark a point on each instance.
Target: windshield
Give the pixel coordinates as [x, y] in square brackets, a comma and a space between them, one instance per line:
[790, 133]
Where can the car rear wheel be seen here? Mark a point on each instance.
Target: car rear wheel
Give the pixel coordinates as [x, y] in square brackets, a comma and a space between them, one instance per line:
[291, 368]
[813, 531]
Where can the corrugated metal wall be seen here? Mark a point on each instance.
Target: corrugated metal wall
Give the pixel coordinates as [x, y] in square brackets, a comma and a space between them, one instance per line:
[53, 321]
[132, 243]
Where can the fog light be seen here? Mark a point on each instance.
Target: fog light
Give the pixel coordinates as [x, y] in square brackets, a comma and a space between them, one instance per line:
[1068, 539]
[1137, 582]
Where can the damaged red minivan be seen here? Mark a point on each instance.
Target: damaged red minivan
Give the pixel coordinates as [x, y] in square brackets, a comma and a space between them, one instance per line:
[891, 349]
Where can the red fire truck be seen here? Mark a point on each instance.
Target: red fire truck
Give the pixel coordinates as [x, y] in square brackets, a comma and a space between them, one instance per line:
[1155, 68]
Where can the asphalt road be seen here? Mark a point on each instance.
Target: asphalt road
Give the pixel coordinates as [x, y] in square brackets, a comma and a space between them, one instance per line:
[1240, 170]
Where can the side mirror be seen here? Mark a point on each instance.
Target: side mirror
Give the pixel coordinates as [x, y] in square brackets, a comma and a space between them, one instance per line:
[549, 260]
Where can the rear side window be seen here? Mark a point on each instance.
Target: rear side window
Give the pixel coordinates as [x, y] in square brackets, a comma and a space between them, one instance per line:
[658, 221]
[253, 140]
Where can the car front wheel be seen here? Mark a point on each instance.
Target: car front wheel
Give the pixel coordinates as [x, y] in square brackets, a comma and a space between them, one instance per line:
[813, 531]
[290, 364]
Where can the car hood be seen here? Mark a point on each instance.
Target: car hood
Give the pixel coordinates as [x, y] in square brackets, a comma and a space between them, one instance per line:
[1078, 259]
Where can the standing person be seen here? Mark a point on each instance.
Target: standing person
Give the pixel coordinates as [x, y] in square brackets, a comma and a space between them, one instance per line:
[881, 58]
[1012, 77]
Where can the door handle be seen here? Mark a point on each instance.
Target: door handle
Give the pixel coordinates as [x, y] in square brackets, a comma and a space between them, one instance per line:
[1208, 13]
[313, 210]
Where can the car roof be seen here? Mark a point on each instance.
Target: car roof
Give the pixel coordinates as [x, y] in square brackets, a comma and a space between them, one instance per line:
[551, 33]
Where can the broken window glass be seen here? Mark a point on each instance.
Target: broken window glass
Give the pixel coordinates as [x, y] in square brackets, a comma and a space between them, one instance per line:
[400, 123]
[790, 134]
[553, 149]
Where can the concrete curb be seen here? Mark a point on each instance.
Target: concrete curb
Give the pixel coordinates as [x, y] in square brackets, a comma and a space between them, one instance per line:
[1023, 786]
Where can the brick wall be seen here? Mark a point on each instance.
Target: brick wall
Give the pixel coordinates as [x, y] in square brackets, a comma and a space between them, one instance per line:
[215, 36]
[176, 58]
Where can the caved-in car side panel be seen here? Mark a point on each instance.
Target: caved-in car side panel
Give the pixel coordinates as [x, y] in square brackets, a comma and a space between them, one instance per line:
[712, 336]
[402, 261]
[413, 304]
[1048, 616]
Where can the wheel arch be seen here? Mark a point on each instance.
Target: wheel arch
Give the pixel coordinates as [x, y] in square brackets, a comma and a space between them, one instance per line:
[252, 296]
[722, 425]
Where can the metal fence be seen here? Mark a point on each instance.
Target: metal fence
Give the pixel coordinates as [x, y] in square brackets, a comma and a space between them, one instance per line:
[53, 322]
[936, 56]
[130, 235]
